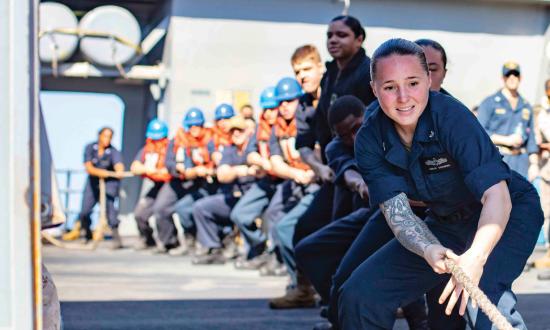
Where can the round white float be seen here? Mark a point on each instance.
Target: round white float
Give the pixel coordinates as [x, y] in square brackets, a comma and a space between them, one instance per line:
[109, 19]
[56, 45]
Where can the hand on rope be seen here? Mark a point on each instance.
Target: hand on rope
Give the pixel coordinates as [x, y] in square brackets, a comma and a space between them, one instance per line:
[466, 271]
[119, 175]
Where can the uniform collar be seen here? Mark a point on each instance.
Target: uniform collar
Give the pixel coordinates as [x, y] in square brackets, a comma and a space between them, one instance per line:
[425, 129]
[501, 99]
[107, 150]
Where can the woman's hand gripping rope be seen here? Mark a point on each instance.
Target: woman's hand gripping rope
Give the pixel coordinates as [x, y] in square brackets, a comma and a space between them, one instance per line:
[445, 261]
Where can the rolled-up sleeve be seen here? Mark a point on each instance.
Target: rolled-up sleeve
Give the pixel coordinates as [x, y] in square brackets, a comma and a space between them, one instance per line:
[340, 159]
[116, 156]
[306, 129]
[470, 146]
[274, 146]
[88, 153]
[171, 159]
[381, 178]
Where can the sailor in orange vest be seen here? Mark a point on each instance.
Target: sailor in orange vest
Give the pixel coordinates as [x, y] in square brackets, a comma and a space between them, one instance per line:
[253, 204]
[178, 187]
[212, 213]
[288, 164]
[196, 165]
[150, 163]
[221, 135]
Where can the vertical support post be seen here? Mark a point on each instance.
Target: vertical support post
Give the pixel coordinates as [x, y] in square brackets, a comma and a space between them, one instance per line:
[20, 271]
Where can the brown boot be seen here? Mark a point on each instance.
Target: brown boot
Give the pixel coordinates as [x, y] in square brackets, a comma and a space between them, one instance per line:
[300, 296]
[543, 262]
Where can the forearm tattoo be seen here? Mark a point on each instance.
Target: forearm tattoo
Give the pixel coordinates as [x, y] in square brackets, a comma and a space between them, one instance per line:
[409, 229]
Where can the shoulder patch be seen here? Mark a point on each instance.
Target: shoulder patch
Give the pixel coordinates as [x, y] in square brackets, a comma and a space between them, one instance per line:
[500, 111]
[525, 113]
[497, 98]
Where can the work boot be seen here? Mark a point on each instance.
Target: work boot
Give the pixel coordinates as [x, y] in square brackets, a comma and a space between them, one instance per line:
[165, 249]
[231, 248]
[116, 242]
[144, 243]
[273, 268]
[188, 247]
[255, 263]
[180, 251]
[543, 262]
[545, 276]
[97, 234]
[88, 234]
[73, 234]
[213, 257]
[300, 296]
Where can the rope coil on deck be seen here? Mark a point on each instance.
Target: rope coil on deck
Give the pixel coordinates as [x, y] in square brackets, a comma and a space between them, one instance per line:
[476, 294]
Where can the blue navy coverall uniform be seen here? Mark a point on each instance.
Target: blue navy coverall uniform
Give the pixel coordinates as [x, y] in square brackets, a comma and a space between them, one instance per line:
[212, 213]
[252, 205]
[449, 169]
[144, 207]
[330, 255]
[169, 197]
[319, 254]
[90, 196]
[354, 79]
[497, 117]
[195, 189]
[298, 200]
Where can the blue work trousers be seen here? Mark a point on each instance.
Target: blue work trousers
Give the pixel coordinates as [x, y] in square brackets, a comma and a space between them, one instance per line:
[211, 216]
[330, 255]
[144, 210]
[90, 197]
[250, 207]
[393, 275]
[284, 228]
[184, 208]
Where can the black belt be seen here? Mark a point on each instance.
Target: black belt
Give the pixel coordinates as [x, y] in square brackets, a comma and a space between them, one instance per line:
[464, 212]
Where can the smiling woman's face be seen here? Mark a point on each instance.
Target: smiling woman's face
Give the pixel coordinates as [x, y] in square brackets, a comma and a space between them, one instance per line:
[402, 86]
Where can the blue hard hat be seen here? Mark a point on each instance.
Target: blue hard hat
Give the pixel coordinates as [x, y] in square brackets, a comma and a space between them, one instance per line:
[193, 117]
[224, 111]
[268, 99]
[288, 89]
[156, 130]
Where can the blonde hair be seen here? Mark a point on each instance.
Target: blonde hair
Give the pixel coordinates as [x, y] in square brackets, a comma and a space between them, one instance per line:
[305, 52]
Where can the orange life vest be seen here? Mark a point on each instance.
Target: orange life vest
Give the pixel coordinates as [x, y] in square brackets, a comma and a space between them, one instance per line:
[159, 148]
[286, 135]
[262, 137]
[221, 138]
[197, 148]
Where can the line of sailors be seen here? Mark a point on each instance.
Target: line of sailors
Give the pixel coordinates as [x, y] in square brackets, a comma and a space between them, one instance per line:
[298, 173]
